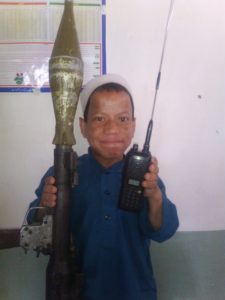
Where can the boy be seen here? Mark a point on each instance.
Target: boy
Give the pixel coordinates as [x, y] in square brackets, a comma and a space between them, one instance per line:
[114, 244]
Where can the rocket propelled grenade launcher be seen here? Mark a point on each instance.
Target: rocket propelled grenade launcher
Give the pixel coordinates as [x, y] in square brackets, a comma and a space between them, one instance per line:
[65, 77]
[48, 230]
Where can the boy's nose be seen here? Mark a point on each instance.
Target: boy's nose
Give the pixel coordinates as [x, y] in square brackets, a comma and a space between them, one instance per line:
[111, 126]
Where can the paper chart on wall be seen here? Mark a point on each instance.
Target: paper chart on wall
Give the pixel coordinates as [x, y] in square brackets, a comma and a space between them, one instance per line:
[27, 33]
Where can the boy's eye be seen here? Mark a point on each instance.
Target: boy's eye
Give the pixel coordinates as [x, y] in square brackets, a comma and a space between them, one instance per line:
[99, 118]
[124, 118]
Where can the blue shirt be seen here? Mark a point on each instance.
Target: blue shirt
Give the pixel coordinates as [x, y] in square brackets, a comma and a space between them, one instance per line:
[114, 244]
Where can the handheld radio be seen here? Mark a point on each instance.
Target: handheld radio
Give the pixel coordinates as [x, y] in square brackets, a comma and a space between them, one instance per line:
[137, 162]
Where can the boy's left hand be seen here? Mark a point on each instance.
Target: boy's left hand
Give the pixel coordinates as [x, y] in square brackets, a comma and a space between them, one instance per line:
[150, 182]
[153, 194]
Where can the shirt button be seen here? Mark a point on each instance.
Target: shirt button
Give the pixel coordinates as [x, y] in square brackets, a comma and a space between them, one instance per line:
[107, 217]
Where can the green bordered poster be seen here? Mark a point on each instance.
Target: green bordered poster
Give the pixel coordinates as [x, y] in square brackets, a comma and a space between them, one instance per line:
[27, 33]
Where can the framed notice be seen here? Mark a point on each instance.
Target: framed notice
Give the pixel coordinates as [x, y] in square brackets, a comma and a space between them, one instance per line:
[27, 34]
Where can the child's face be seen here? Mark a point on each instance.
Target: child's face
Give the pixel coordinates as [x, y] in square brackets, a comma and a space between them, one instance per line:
[110, 127]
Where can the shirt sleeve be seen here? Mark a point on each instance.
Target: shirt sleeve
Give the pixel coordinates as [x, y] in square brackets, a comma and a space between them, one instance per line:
[170, 221]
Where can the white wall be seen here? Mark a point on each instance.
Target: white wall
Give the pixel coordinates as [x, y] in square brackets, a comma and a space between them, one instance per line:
[188, 135]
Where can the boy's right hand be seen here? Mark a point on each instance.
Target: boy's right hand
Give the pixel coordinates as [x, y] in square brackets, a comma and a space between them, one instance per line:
[48, 198]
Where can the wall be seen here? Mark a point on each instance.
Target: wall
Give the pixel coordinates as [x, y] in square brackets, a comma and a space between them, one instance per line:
[190, 266]
[189, 118]
[188, 135]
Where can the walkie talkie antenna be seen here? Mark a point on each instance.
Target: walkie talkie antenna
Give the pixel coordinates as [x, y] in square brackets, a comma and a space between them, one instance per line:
[150, 125]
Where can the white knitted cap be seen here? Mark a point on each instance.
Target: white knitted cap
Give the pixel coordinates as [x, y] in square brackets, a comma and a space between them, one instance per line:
[96, 82]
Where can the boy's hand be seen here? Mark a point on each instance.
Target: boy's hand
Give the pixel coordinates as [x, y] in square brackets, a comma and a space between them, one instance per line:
[150, 182]
[154, 195]
[48, 198]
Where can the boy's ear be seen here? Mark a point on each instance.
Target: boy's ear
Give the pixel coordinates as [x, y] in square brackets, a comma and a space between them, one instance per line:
[83, 127]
